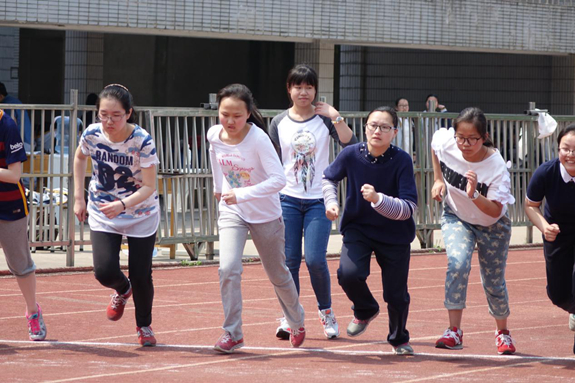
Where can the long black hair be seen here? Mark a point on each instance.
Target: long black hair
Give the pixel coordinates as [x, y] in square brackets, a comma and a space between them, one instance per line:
[122, 95]
[476, 117]
[242, 92]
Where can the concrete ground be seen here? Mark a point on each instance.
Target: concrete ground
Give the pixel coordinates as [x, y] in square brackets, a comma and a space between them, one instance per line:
[57, 259]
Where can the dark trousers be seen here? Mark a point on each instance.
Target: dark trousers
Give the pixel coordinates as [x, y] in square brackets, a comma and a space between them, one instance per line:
[106, 255]
[352, 276]
[560, 267]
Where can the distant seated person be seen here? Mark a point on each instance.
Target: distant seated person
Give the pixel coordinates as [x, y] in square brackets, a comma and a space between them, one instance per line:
[19, 115]
[432, 105]
[404, 138]
[62, 144]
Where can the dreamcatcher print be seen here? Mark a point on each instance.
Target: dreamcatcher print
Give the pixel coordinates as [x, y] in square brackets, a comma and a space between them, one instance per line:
[303, 144]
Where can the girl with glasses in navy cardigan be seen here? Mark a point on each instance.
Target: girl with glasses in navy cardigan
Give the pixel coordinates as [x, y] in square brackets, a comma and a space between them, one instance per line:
[378, 217]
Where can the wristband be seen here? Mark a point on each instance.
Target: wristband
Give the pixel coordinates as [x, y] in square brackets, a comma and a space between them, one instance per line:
[123, 204]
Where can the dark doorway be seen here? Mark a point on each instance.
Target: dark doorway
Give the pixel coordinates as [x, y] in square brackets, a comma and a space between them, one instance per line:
[41, 70]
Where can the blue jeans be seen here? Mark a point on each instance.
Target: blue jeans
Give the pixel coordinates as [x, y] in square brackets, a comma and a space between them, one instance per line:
[492, 241]
[307, 216]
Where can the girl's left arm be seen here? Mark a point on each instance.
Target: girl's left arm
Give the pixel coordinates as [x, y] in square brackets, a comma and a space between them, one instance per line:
[498, 195]
[402, 207]
[275, 180]
[148, 187]
[344, 132]
[12, 174]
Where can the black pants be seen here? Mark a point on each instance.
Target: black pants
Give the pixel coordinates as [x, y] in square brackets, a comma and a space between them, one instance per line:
[560, 268]
[352, 276]
[106, 255]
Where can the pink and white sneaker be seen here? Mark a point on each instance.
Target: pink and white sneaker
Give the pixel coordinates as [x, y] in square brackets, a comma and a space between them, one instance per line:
[36, 325]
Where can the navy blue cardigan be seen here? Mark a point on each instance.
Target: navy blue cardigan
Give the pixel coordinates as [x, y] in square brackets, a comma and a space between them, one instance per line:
[391, 174]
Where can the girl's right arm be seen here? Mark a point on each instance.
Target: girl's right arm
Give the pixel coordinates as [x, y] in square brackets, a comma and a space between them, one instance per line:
[533, 211]
[216, 173]
[334, 173]
[438, 189]
[329, 189]
[80, 161]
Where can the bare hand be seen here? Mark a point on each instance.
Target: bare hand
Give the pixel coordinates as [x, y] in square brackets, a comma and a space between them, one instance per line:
[80, 209]
[471, 182]
[325, 109]
[218, 196]
[111, 209]
[551, 232]
[438, 190]
[230, 197]
[332, 212]
[369, 194]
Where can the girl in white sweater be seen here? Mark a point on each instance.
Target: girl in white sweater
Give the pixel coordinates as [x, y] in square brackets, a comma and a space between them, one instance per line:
[247, 178]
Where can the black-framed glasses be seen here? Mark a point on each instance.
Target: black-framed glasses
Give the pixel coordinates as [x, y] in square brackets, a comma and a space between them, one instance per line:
[567, 151]
[114, 118]
[470, 140]
[382, 128]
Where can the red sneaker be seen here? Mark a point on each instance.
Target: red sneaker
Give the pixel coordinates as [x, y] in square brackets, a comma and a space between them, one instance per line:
[451, 339]
[297, 337]
[227, 344]
[504, 343]
[115, 309]
[146, 336]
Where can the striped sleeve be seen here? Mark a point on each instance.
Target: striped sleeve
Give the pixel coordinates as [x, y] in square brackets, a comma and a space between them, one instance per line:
[329, 189]
[394, 208]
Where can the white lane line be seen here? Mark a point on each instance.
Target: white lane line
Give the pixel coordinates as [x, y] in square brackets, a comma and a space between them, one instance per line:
[330, 350]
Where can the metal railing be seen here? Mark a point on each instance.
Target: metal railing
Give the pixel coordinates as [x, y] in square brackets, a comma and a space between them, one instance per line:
[184, 182]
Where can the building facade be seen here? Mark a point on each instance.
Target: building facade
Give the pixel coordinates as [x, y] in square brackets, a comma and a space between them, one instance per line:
[498, 55]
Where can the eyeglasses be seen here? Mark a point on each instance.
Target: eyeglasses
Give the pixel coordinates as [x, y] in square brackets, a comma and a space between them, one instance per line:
[470, 140]
[114, 118]
[382, 128]
[566, 151]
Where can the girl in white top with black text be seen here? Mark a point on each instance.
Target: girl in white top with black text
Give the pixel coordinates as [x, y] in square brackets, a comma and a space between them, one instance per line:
[247, 178]
[475, 181]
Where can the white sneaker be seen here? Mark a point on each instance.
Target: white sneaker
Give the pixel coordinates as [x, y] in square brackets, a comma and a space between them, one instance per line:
[572, 322]
[329, 323]
[283, 331]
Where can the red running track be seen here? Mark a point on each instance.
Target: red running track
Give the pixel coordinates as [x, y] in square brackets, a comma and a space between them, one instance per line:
[82, 345]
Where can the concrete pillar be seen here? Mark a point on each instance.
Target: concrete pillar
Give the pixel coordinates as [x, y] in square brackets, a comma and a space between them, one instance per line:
[319, 55]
